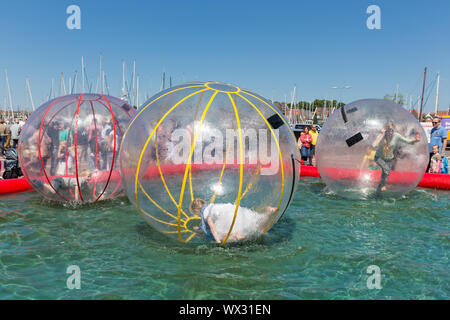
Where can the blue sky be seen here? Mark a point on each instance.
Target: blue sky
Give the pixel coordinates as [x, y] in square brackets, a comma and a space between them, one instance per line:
[264, 46]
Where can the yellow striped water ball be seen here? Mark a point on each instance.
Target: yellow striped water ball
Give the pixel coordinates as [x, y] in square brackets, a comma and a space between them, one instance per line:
[207, 161]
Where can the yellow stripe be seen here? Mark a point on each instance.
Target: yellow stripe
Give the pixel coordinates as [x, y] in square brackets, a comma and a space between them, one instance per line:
[162, 176]
[182, 231]
[275, 110]
[188, 165]
[156, 204]
[156, 219]
[241, 169]
[190, 184]
[150, 137]
[191, 236]
[197, 107]
[145, 107]
[281, 160]
[252, 181]
[213, 198]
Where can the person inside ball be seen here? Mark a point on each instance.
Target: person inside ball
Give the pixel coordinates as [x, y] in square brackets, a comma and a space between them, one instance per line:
[67, 184]
[385, 144]
[216, 220]
[369, 159]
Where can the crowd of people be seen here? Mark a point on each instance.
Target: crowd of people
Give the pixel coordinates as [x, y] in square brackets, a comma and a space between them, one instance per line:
[95, 143]
[9, 141]
[95, 147]
[438, 143]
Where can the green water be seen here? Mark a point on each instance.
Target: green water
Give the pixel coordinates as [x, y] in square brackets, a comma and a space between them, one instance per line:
[319, 250]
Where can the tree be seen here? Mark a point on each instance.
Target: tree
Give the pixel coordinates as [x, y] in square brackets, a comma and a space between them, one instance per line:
[397, 99]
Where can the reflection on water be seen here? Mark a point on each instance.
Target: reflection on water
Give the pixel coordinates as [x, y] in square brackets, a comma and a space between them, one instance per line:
[319, 250]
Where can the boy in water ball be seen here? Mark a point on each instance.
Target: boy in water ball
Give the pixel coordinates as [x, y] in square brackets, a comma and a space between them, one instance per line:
[61, 184]
[216, 220]
[369, 159]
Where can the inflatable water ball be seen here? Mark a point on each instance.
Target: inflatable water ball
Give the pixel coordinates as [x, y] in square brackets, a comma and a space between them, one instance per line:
[371, 148]
[68, 148]
[207, 161]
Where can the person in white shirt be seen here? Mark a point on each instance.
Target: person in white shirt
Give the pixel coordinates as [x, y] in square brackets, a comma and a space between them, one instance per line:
[217, 218]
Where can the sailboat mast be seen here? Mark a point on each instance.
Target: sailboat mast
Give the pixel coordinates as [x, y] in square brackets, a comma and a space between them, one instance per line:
[63, 85]
[103, 82]
[9, 94]
[423, 92]
[124, 93]
[74, 84]
[100, 77]
[436, 101]
[82, 74]
[27, 83]
[133, 84]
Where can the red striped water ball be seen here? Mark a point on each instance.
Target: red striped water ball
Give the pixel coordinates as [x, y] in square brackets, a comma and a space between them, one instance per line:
[68, 148]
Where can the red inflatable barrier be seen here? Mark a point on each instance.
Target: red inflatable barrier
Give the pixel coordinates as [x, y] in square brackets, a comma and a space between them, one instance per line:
[435, 181]
[14, 185]
[21, 184]
[429, 180]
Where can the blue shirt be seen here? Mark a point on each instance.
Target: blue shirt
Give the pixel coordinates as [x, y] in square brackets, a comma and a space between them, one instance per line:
[444, 165]
[205, 226]
[436, 137]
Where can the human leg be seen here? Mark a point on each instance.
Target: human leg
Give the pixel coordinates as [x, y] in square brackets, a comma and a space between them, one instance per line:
[2, 144]
[429, 162]
[386, 167]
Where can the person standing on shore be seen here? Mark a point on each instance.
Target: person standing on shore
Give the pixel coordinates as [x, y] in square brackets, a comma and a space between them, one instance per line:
[314, 134]
[306, 139]
[15, 133]
[438, 137]
[4, 132]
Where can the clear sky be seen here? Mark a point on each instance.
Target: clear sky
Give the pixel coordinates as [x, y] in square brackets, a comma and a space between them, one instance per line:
[264, 46]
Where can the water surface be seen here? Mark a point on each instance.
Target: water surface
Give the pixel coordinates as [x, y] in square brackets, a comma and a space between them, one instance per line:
[319, 250]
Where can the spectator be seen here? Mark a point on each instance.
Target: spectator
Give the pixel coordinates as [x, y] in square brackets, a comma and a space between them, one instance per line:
[15, 133]
[314, 134]
[306, 139]
[435, 162]
[444, 165]
[107, 144]
[53, 134]
[12, 166]
[438, 137]
[4, 132]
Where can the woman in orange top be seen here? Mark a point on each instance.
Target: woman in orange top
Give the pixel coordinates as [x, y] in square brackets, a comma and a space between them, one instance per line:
[306, 139]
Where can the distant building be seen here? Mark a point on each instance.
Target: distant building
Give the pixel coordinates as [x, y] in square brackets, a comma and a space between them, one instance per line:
[414, 113]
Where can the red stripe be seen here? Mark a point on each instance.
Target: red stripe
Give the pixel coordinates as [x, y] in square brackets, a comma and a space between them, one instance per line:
[39, 148]
[96, 146]
[76, 153]
[114, 149]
